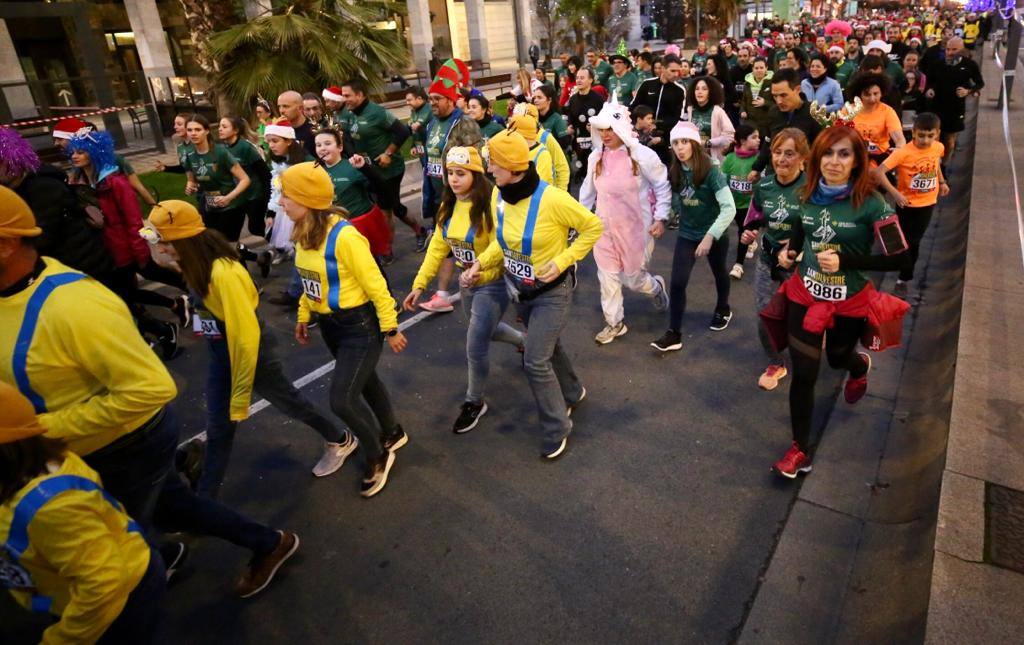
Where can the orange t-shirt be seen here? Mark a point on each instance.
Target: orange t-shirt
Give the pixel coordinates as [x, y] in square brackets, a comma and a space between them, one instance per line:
[875, 126]
[917, 172]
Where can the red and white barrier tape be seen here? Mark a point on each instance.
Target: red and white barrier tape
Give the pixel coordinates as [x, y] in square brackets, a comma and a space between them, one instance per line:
[54, 119]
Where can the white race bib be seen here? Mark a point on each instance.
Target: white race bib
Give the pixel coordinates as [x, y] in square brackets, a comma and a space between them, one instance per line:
[829, 292]
[924, 183]
[464, 253]
[434, 168]
[519, 268]
[311, 287]
[584, 143]
[740, 185]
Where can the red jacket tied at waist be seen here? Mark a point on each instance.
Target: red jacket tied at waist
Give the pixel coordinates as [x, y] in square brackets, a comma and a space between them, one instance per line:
[883, 313]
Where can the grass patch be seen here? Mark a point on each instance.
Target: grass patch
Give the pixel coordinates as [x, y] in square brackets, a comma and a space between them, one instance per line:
[164, 185]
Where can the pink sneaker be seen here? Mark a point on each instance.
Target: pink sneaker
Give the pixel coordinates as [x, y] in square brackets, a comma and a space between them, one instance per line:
[856, 388]
[437, 304]
[771, 377]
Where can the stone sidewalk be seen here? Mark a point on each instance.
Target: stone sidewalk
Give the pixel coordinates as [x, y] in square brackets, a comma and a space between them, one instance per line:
[977, 585]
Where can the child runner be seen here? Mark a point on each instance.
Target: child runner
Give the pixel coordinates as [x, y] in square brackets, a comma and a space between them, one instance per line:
[736, 168]
[465, 228]
[701, 194]
[775, 207]
[920, 183]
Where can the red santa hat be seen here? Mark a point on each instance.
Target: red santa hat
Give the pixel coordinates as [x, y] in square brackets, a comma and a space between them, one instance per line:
[281, 128]
[69, 127]
[333, 93]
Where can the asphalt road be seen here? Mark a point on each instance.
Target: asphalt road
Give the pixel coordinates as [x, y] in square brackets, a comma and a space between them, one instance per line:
[654, 527]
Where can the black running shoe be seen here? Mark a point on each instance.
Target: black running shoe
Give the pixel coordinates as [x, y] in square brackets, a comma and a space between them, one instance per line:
[670, 341]
[395, 440]
[169, 341]
[720, 321]
[174, 555]
[469, 416]
[421, 241]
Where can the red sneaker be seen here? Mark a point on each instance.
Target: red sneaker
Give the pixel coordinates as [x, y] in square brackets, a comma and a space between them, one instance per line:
[793, 463]
[856, 388]
[771, 377]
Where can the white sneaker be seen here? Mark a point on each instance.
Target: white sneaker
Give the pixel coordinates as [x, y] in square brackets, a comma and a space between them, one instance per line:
[737, 272]
[438, 304]
[334, 456]
[751, 250]
[610, 333]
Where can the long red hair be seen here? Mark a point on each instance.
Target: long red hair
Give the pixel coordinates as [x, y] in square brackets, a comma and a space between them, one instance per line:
[861, 176]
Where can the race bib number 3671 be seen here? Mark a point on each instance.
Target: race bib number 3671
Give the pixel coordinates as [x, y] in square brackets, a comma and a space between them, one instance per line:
[924, 183]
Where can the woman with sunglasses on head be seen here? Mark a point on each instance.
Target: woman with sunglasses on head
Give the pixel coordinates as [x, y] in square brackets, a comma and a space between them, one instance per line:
[243, 350]
[465, 228]
[829, 299]
[342, 282]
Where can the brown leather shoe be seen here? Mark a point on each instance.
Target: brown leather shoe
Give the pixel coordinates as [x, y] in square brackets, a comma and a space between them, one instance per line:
[262, 568]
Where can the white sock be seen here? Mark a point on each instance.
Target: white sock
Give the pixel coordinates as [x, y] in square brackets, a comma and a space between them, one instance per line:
[443, 294]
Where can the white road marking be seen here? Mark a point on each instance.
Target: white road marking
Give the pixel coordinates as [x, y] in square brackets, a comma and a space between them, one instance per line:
[327, 368]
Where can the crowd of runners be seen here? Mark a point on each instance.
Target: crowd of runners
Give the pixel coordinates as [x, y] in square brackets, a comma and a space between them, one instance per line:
[803, 157]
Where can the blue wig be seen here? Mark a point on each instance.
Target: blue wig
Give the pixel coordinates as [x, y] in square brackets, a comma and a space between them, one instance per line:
[17, 154]
[98, 145]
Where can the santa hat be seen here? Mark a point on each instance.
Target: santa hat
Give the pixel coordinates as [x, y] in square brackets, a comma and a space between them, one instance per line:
[69, 127]
[333, 93]
[838, 46]
[878, 44]
[684, 130]
[281, 128]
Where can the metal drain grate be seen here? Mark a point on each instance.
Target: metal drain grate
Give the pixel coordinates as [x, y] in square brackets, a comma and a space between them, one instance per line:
[1004, 527]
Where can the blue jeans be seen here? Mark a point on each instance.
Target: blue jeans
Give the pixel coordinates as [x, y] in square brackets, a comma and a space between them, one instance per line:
[294, 285]
[548, 369]
[485, 305]
[358, 395]
[269, 382]
[133, 467]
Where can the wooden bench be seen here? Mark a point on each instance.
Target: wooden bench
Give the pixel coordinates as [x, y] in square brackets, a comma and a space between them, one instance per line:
[477, 65]
[499, 81]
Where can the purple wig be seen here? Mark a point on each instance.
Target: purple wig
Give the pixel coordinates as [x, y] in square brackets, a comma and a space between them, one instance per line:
[17, 154]
[98, 145]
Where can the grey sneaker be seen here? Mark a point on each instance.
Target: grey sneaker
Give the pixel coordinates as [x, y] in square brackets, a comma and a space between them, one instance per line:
[334, 456]
[661, 298]
[610, 333]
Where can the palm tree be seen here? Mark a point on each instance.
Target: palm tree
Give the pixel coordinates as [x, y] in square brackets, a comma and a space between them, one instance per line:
[301, 44]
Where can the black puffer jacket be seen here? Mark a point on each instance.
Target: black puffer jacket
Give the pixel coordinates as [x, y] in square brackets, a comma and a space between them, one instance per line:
[67, 235]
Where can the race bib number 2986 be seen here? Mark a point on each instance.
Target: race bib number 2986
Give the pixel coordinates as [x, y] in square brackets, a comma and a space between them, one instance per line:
[829, 292]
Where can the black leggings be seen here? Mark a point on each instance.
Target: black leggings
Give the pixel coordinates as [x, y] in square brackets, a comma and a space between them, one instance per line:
[256, 214]
[914, 222]
[227, 221]
[682, 266]
[741, 248]
[805, 354]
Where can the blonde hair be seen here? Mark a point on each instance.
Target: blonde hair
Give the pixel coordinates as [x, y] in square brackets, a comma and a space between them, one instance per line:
[310, 231]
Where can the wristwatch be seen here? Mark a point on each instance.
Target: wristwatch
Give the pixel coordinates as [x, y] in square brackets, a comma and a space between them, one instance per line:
[391, 333]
